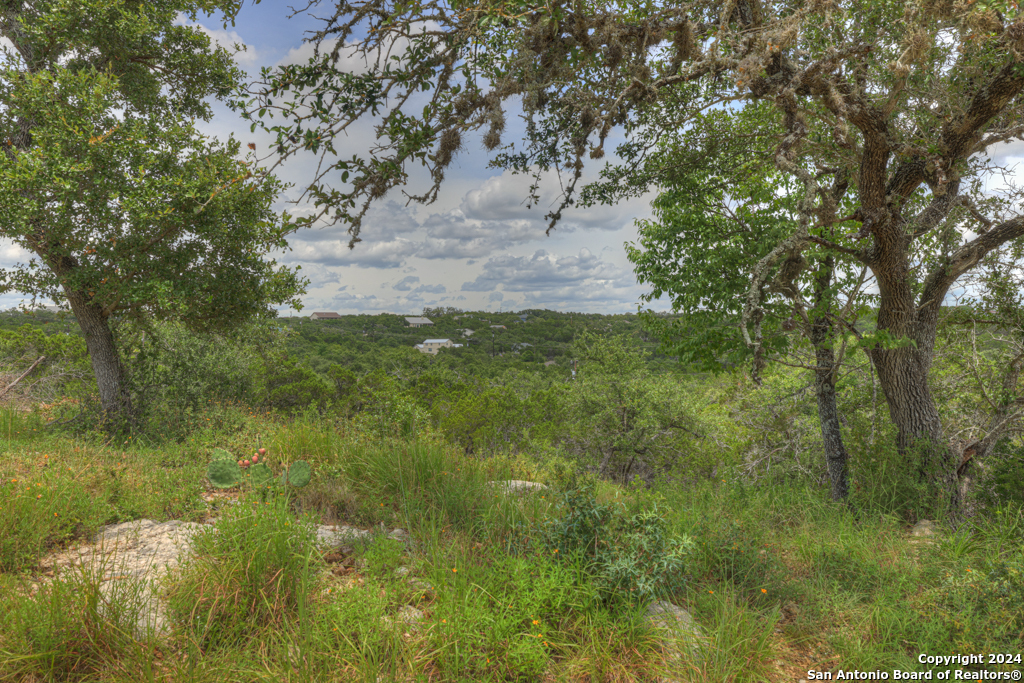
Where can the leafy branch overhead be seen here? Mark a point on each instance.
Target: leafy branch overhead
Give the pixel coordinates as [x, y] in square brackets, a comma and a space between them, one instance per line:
[880, 118]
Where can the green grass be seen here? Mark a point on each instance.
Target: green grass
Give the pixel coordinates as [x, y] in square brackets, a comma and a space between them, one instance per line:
[779, 579]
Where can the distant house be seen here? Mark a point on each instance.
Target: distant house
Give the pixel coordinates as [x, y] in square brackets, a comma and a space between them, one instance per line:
[521, 346]
[465, 332]
[497, 327]
[432, 346]
[522, 318]
[325, 316]
[418, 322]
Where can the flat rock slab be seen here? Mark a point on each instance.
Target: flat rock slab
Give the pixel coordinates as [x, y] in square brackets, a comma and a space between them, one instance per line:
[681, 633]
[925, 532]
[132, 557]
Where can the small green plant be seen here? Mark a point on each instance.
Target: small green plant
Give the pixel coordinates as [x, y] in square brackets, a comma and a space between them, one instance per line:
[225, 472]
[631, 558]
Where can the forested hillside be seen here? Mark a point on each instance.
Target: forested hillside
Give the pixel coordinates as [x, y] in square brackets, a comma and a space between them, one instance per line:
[492, 342]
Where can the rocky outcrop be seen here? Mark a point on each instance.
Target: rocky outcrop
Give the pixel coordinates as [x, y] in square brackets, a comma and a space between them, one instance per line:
[132, 557]
[681, 634]
[518, 486]
[130, 560]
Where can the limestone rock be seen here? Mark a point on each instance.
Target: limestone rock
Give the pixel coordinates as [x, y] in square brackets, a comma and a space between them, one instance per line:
[421, 586]
[518, 486]
[408, 616]
[924, 533]
[924, 529]
[131, 559]
[682, 632]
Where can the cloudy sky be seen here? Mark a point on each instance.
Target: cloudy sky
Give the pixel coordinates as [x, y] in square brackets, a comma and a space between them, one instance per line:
[477, 247]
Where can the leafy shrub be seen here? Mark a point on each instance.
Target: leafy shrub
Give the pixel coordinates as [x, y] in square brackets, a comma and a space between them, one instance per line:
[1000, 482]
[294, 386]
[175, 374]
[630, 558]
[65, 372]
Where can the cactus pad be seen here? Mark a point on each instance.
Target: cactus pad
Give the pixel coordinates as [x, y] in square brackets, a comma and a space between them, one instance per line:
[298, 473]
[259, 474]
[224, 473]
[221, 454]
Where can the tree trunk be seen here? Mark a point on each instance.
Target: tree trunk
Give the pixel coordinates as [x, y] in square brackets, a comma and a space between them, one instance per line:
[903, 377]
[825, 390]
[828, 415]
[106, 364]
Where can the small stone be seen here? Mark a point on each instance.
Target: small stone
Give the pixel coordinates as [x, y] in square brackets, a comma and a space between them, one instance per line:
[408, 616]
[402, 571]
[683, 631]
[924, 528]
[422, 586]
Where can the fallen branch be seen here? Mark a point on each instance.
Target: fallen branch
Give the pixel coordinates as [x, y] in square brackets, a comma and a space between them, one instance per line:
[23, 376]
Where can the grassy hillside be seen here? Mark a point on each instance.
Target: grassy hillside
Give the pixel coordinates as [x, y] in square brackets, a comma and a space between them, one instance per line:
[779, 579]
[699, 490]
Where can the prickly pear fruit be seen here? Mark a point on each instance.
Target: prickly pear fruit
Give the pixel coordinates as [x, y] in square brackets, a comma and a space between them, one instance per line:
[255, 459]
[263, 451]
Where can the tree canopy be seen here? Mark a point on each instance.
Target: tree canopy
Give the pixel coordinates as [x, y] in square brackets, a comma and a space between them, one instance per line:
[891, 108]
[126, 209]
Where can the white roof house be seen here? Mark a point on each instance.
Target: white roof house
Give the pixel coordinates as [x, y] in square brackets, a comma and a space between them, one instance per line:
[418, 322]
[432, 346]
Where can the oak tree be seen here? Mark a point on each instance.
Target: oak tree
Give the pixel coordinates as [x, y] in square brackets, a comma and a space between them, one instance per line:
[900, 102]
[125, 208]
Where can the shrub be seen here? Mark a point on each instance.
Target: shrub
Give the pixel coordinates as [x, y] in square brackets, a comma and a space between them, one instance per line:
[630, 558]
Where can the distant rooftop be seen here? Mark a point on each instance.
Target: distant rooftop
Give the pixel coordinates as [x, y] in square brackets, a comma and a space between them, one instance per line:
[419, 321]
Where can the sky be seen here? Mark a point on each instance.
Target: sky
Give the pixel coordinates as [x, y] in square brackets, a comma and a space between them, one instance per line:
[478, 247]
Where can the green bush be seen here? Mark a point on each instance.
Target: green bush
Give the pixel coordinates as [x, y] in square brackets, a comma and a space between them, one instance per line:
[630, 558]
[1000, 484]
[66, 371]
[175, 374]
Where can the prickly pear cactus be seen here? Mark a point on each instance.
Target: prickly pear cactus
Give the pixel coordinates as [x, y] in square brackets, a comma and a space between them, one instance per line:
[221, 454]
[259, 474]
[224, 473]
[297, 474]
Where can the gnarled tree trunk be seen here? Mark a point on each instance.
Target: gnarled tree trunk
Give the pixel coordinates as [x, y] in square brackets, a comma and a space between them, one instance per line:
[828, 416]
[111, 377]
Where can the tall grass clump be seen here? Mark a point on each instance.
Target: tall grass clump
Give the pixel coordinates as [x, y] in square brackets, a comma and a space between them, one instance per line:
[249, 573]
[72, 628]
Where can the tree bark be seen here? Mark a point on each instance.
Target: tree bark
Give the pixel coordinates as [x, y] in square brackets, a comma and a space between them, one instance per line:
[828, 416]
[111, 377]
[825, 390]
[904, 381]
